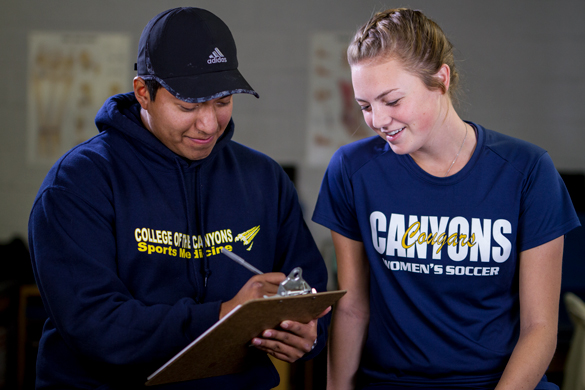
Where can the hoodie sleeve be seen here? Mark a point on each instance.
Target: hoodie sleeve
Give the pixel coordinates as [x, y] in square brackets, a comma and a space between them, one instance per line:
[73, 250]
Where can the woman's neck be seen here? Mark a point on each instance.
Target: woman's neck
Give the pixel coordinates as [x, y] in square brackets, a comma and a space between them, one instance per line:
[449, 147]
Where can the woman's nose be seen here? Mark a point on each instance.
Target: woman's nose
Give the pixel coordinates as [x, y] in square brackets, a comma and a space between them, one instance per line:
[380, 119]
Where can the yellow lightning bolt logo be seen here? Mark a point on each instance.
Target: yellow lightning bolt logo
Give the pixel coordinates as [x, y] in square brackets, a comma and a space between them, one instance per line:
[247, 236]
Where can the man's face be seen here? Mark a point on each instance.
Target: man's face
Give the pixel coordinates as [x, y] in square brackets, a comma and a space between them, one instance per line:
[191, 130]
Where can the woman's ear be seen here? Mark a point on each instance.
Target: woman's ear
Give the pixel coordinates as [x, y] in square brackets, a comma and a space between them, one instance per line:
[444, 76]
[141, 92]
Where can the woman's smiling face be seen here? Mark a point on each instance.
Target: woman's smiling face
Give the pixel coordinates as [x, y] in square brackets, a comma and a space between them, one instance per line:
[397, 105]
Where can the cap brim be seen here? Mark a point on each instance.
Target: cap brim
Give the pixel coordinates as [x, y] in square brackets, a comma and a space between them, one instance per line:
[204, 87]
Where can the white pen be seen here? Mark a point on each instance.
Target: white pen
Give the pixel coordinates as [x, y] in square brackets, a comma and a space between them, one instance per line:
[241, 261]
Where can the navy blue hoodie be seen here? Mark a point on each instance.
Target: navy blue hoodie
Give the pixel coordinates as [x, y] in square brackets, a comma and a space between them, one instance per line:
[125, 238]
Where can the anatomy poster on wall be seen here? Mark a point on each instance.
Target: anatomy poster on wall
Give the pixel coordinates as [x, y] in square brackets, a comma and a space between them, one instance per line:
[70, 75]
[333, 116]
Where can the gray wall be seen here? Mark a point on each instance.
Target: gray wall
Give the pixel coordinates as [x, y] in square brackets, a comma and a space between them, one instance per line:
[522, 63]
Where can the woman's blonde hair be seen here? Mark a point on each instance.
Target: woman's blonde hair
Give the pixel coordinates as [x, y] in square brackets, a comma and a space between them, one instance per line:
[410, 37]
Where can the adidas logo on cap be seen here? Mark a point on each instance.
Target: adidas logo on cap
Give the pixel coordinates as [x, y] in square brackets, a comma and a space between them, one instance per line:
[216, 56]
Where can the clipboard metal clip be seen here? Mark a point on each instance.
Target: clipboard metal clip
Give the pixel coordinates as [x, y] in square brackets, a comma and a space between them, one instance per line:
[294, 284]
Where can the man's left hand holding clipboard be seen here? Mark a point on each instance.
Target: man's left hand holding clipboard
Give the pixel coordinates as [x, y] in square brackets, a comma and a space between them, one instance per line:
[293, 339]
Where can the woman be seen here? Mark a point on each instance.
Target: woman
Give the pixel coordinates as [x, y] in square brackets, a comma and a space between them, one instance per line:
[448, 236]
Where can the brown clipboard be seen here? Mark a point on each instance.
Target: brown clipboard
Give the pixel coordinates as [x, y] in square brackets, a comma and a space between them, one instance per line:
[223, 348]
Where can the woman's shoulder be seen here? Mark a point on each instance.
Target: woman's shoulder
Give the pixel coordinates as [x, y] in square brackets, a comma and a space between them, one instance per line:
[355, 155]
[373, 144]
[516, 151]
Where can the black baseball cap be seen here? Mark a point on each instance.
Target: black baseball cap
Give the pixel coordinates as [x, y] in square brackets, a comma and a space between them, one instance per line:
[192, 54]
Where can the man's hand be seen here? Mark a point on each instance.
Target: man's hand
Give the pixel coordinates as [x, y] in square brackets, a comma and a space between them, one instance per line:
[256, 287]
[291, 341]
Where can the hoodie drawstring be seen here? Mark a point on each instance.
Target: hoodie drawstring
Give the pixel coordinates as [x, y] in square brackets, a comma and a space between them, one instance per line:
[190, 269]
[206, 267]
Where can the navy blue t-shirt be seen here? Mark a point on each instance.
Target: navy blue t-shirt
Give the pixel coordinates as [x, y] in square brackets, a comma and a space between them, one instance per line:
[443, 253]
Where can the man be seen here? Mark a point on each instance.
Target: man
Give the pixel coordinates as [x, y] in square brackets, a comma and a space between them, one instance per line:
[127, 229]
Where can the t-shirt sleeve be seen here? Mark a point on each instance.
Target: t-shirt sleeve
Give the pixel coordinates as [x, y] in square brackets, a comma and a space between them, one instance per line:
[547, 210]
[335, 208]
